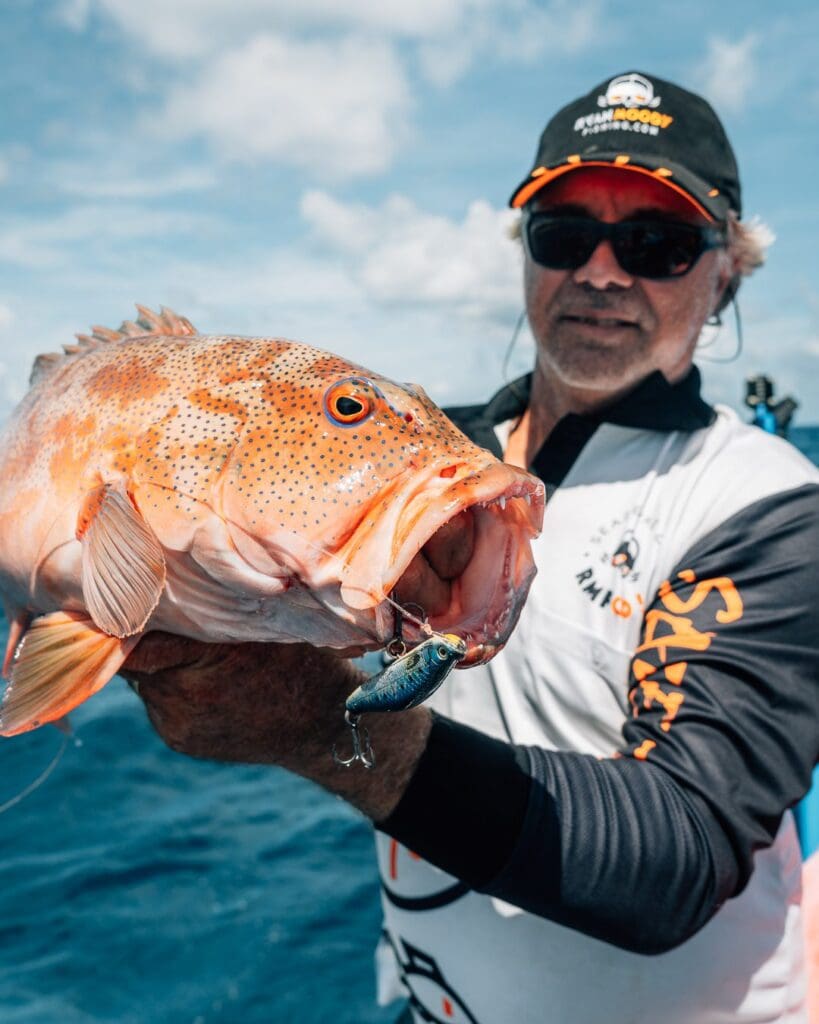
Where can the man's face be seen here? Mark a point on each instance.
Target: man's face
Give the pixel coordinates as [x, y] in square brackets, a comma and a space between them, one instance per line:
[597, 327]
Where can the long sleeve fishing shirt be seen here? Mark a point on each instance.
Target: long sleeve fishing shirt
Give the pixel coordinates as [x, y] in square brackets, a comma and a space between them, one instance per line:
[597, 830]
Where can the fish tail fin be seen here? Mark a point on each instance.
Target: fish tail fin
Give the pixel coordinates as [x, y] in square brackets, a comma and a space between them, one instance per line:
[61, 660]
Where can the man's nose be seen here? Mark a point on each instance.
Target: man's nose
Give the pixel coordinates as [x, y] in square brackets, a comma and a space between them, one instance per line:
[601, 270]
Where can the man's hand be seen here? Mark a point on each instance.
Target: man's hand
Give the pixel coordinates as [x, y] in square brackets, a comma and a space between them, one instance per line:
[276, 704]
[237, 702]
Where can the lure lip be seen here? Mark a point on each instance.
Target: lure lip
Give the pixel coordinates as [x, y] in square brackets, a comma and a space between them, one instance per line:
[456, 642]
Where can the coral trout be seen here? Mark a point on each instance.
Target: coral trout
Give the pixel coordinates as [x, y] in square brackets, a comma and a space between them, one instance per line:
[238, 489]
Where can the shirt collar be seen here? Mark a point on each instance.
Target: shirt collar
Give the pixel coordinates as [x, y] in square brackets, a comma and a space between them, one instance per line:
[653, 404]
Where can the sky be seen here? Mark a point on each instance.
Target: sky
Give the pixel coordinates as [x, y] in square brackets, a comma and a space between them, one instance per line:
[337, 171]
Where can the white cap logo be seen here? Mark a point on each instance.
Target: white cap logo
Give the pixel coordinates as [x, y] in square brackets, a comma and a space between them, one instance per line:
[629, 91]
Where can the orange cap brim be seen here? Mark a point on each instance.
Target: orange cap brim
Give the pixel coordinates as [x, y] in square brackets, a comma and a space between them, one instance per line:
[543, 176]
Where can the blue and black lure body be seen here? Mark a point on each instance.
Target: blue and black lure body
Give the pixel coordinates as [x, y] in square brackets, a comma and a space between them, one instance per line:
[411, 678]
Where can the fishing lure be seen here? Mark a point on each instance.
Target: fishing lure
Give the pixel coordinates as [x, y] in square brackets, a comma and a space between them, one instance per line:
[410, 679]
[405, 683]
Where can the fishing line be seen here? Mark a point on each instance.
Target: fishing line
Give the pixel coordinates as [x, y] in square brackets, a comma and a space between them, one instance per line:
[508, 355]
[39, 780]
[739, 346]
[422, 624]
[716, 322]
[511, 346]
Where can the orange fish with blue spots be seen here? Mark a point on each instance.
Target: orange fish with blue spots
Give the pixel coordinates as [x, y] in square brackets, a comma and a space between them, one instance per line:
[239, 489]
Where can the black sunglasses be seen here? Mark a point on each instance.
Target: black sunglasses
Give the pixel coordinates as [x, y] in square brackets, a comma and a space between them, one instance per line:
[644, 248]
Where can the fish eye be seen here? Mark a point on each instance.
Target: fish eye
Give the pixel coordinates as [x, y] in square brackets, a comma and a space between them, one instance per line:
[348, 402]
[442, 653]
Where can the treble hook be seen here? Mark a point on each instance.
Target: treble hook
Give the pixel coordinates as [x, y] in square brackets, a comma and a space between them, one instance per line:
[362, 750]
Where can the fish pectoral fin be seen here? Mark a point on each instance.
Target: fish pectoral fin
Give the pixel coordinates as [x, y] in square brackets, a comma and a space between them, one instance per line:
[61, 661]
[123, 567]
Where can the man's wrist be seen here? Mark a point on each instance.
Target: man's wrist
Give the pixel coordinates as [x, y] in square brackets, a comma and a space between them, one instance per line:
[397, 739]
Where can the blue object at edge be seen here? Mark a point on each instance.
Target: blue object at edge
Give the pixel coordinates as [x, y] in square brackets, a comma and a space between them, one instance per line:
[806, 811]
[807, 818]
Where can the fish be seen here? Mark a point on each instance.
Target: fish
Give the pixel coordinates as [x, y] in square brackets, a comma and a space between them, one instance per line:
[236, 489]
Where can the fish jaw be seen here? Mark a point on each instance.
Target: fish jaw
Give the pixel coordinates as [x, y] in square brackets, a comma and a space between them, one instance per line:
[500, 505]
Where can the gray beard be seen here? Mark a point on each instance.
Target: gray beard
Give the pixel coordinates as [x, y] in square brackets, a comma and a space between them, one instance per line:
[586, 362]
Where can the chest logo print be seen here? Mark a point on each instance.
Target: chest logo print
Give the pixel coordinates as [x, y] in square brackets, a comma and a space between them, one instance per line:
[610, 578]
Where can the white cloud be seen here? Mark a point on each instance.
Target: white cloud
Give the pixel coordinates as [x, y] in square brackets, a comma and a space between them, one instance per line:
[187, 28]
[117, 183]
[336, 109]
[518, 31]
[73, 13]
[12, 386]
[729, 71]
[452, 33]
[321, 85]
[57, 241]
[404, 257]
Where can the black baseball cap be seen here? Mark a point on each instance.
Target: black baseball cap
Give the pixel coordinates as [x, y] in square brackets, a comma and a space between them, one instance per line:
[647, 125]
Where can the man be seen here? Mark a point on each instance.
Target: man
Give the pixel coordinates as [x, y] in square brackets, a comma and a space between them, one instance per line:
[596, 818]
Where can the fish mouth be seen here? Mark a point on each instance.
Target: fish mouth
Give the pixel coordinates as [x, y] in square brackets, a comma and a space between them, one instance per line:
[461, 559]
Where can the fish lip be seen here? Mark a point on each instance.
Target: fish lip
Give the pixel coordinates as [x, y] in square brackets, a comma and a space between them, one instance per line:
[507, 504]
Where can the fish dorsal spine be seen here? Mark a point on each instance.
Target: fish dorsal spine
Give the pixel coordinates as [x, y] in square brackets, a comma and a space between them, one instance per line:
[147, 325]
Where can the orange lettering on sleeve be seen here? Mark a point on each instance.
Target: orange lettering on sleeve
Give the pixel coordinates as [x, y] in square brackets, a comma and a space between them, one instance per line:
[681, 633]
[675, 672]
[669, 702]
[722, 584]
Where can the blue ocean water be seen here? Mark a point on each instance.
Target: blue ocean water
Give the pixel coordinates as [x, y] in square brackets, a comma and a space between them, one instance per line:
[141, 887]
[806, 440]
